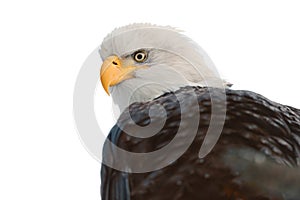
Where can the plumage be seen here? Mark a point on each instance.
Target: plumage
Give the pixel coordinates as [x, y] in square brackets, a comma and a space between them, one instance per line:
[257, 133]
[256, 157]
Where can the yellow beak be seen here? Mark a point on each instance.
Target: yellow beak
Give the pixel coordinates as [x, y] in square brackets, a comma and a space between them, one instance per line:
[112, 72]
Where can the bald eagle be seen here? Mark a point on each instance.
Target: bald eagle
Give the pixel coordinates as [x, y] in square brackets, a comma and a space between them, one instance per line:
[169, 95]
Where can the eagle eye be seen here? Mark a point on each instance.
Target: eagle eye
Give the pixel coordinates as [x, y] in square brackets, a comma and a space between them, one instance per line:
[140, 56]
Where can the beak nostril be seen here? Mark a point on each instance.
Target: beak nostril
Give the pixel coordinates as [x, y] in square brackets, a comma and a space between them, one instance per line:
[114, 63]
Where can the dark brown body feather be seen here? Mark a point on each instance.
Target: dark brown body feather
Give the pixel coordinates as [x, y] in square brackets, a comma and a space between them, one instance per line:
[257, 155]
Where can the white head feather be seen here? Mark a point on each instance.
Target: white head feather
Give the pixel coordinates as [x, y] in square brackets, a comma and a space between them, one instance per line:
[174, 61]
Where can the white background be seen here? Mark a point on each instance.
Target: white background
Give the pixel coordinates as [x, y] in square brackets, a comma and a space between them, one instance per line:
[255, 45]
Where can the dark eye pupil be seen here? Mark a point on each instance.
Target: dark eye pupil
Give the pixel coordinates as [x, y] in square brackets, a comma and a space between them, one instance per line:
[139, 56]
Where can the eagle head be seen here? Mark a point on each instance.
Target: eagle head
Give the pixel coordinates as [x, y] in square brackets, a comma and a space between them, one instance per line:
[143, 61]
